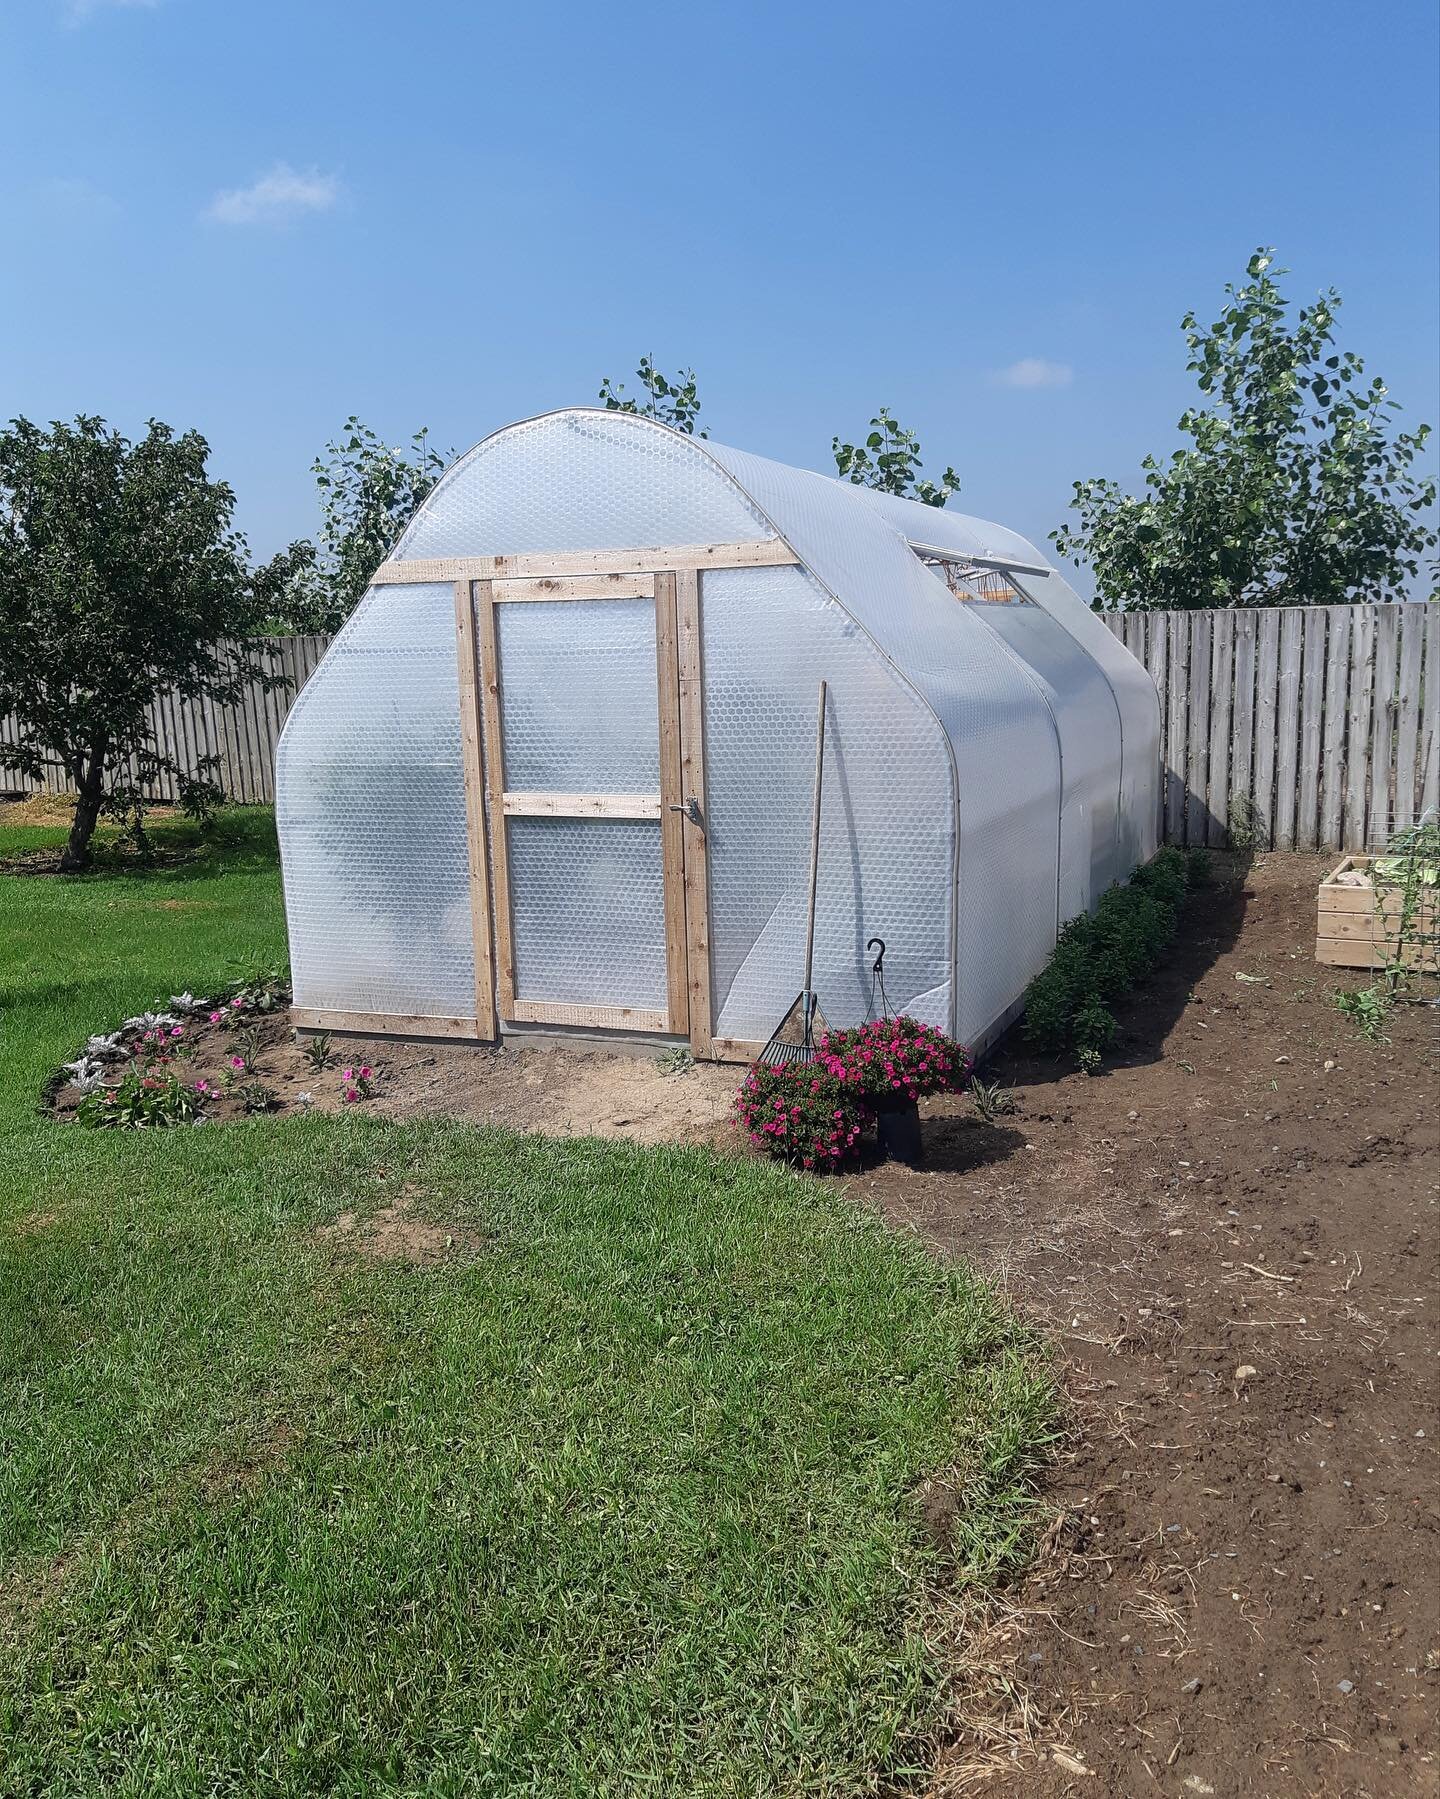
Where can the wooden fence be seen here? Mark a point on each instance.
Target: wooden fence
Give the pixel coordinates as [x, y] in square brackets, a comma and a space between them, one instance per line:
[1299, 727]
[243, 737]
[1296, 727]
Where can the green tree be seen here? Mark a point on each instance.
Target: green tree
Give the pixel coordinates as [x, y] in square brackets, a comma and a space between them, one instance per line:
[369, 492]
[1293, 489]
[674, 402]
[889, 459]
[120, 578]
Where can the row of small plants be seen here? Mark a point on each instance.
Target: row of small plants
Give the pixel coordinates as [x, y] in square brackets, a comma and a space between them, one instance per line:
[813, 1114]
[1101, 954]
[143, 1075]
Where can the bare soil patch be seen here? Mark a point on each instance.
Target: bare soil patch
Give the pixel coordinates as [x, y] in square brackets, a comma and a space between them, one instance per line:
[1231, 1236]
[395, 1234]
[557, 1088]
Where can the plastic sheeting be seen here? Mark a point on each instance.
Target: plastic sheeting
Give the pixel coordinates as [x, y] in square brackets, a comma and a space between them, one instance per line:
[370, 805]
[990, 768]
[1135, 695]
[1001, 743]
[887, 814]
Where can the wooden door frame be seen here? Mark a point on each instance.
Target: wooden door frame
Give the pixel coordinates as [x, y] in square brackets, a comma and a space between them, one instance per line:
[678, 720]
[472, 752]
[478, 581]
[693, 798]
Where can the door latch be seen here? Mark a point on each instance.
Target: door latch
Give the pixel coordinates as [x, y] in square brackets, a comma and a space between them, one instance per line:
[691, 809]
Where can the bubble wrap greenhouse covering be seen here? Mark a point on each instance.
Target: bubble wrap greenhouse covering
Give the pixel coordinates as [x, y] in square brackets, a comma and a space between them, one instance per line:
[989, 768]
[1139, 703]
[579, 481]
[588, 911]
[1004, 756]
[1135, 695]
[1087, 723]
[370, 804]
[887, 819]
[580, 712]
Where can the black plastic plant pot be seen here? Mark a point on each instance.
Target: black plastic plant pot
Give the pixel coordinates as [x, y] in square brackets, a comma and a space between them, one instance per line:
[897, 1133]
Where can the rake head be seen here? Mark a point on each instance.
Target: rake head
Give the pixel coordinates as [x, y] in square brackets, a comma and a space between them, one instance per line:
[793, 1039]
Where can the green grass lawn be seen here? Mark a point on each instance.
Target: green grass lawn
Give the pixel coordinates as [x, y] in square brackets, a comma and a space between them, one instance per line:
[622, 1503]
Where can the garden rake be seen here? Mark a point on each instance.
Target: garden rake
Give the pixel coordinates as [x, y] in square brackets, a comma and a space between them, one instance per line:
[794, 1037]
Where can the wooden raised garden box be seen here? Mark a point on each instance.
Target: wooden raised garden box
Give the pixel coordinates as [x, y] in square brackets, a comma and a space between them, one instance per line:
[1360, 920]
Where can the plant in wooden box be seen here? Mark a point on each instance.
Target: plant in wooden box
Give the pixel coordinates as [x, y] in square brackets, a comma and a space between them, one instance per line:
[1388, 909]
[896, 1062]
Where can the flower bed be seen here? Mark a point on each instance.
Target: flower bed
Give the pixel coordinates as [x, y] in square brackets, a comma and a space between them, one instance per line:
[205, 1060]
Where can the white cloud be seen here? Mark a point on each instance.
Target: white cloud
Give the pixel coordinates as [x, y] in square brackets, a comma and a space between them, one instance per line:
[275, 198]
[1035, 371]
[77, 11]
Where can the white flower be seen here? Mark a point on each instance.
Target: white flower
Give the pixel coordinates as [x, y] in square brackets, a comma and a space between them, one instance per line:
[147, 1021]
[86, 1074]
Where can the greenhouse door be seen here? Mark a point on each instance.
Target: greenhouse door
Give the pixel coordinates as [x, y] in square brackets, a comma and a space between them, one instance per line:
[590, 696]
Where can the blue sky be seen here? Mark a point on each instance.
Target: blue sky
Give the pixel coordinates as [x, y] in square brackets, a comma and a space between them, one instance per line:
[261, 216]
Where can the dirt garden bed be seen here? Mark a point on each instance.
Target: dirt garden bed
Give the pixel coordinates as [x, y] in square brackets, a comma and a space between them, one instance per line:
[1230, 1236]
[250, 1060]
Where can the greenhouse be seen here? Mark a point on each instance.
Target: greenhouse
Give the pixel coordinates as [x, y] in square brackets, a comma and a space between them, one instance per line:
[556, 771]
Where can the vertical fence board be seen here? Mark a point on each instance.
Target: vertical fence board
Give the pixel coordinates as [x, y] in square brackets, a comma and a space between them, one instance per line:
[254, 709]
[1242, 722]
[1382, 723]
[1312, 705]
[1179, 632]
[1287, 728]
[1222, 675]
[1157, 641]
[1407, 721]
[1357, 732]
[277, 704]
[1333, 732]
[1267, 677]
[1197, 748]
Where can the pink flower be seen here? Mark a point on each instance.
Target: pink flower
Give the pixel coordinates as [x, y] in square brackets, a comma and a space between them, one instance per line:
[348, 1074]
[351, 1095]
[365, 1074]
[237, 1005]
[237, 1061]
[177, 1030]
[215, 1017]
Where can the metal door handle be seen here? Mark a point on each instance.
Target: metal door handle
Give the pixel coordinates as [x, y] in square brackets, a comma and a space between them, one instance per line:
[691, 809]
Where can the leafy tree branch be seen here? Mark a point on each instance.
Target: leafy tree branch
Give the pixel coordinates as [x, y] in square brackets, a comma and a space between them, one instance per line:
[673, 402]
[369, 492]
[1294, 488]
[889, 459]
